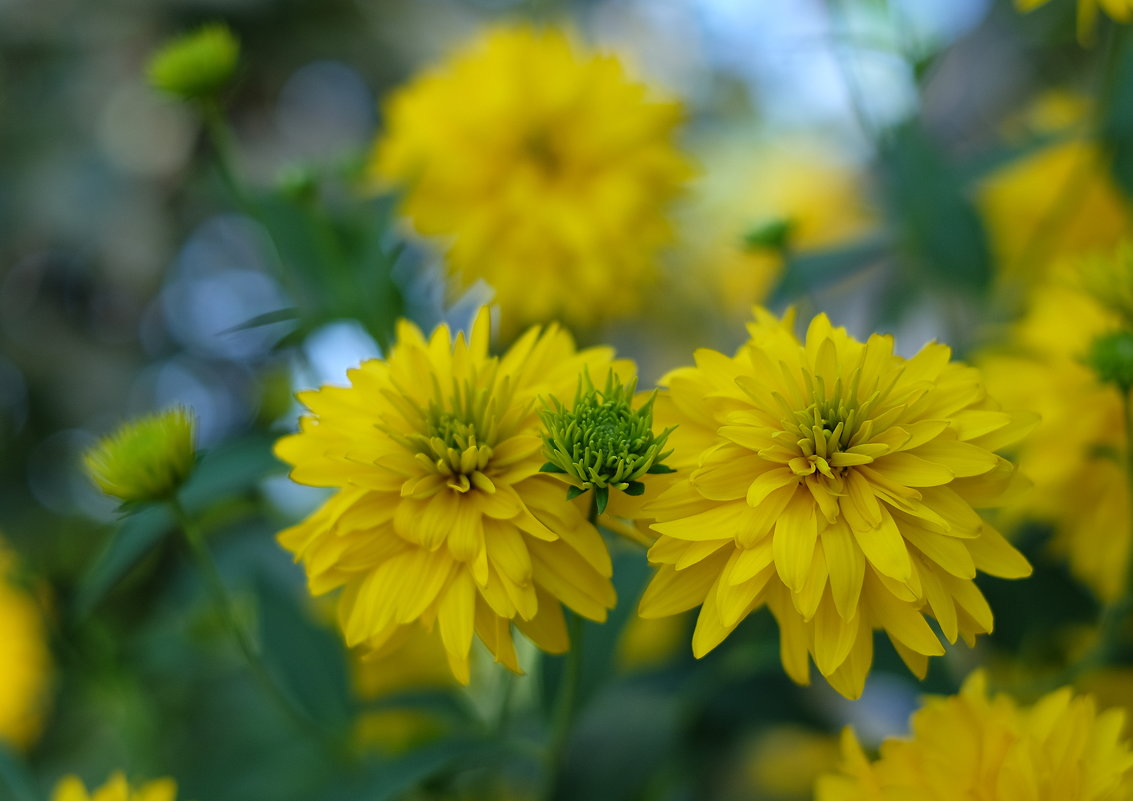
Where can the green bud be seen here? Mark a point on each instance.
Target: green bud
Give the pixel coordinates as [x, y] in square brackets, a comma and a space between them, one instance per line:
[197, 65]
[1111, 356]
[145, 460]
[770, 235]
[601, 442]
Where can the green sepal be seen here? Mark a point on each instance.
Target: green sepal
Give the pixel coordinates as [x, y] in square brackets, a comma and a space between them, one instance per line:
[635, 488]
[660, 468]
[601, 498]
[551, 467]
[574, 492]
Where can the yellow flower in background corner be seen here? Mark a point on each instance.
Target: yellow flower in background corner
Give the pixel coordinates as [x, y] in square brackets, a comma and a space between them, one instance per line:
[441, 516]
[1118, 10]
[71, 788]
[975, 746]
[835, 483]
[25, 669]
[548, 170]
[1074, 455]
[1053, 203]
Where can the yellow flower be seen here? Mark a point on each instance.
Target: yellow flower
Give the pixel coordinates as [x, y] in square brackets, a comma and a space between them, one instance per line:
[549, 170]
[816, 191]
[196, 65]
[1054, 203]
[833, 482]
[1073, 456]
[144, 460]
[71, 788]
[25, 668]
[1120, 10]
[991, 748]
[442, 517]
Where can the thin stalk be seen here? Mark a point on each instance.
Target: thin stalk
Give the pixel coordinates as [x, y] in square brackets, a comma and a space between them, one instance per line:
[223, 604]
[1115, 615]
[566, 705]
[222, 144]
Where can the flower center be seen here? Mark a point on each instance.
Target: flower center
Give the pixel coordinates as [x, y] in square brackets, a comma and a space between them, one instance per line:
[830, 425]
[458, 437]
[540, 150]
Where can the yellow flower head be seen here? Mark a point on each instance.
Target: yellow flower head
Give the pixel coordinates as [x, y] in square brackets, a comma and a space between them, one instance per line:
[71, 788]
[1120, 10]
[442, 517]
[974, 746]
[834, 482]
[25, 668]
[1074, 455]
[196, 65]
[144, 460]
[549, 169]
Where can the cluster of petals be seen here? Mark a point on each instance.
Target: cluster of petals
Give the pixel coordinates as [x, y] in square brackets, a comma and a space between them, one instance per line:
[835, 483]
[991, 748]
[548, 170]
[441, 517]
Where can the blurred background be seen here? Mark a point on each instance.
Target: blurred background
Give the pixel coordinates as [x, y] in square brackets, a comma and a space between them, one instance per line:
[910, 166]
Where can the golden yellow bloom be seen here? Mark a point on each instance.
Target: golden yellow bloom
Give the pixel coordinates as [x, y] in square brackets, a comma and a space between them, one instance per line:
[442, 517]
[833, 482]
[71, 788]
[1074, 454]
[1119, 10]
[25, 669]
[1056, 203]
[991, 748]
[146, 459]
[818, 192]
[549, 170]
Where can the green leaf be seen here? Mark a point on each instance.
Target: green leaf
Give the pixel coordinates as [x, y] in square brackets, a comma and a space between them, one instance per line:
[574, 492]
[551, 467]
[770, 235]
[267, 318]
[635, 488]
[308, 659]
[393, 779]
[1117, 116]
[941, 233]
[14, 776]
[128, 545]
[660, 468]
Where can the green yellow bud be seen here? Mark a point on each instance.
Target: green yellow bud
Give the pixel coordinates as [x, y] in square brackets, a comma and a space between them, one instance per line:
[197, 65]
[145, 460]
[601, 442]
[1108, 279]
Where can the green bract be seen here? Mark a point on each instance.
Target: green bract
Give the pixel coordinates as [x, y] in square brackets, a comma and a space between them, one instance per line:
[601, 441]
[197, 65]
[146, 460]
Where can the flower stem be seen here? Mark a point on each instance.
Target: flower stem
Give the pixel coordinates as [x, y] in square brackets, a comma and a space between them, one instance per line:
[1115, 615]
[223, 604]
[221, 138]
[565, 707]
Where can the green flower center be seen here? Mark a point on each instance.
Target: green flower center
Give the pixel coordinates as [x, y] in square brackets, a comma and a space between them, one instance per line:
[459, 433]
[831, 424]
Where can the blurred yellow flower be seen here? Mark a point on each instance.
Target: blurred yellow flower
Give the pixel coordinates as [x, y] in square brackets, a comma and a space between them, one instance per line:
[1074, 454]
[785, 761]
[25, 670]
[549, 170]
[441, 516]
[414, 661]
[1046, 206]
[819, 193]
[1120, 10]
[146, 459]
[975, 746]
[71, 788]
[833, 482]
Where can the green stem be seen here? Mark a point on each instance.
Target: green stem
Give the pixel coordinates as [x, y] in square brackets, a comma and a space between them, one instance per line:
[223, 604]
[222, 144]
[565, 708]
[1115, 615]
